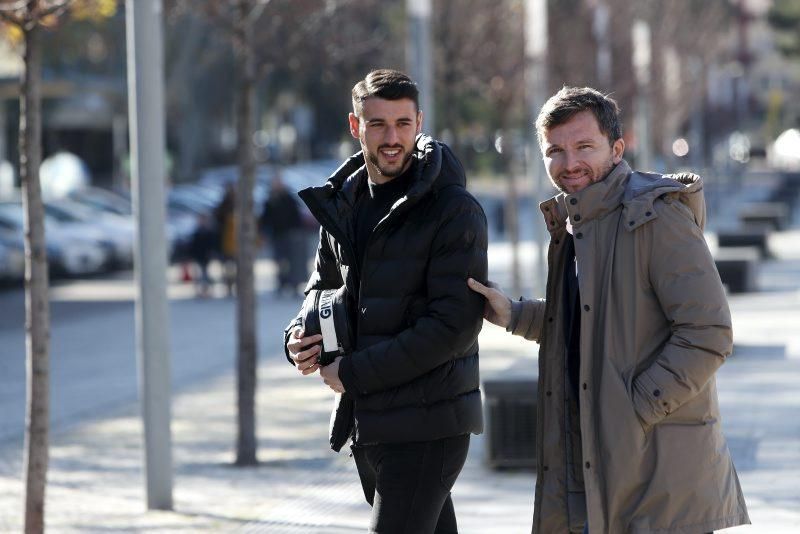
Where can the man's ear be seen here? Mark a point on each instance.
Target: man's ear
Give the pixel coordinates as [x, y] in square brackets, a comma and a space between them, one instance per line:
[420, 116]
[617, 150]
[354, 123]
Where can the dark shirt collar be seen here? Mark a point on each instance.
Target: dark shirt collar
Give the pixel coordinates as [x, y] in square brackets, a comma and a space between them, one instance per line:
[395, 187]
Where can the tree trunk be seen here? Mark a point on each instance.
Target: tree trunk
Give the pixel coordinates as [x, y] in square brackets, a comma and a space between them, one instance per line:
[37, 307]
[512, 213]
[246, 241]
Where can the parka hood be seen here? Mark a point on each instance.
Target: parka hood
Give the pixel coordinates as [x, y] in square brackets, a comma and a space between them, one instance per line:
[636, 191]
[437, 168]
[642, 189]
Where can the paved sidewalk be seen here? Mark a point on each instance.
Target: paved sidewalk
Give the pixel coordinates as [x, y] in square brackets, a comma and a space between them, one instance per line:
[96, 485]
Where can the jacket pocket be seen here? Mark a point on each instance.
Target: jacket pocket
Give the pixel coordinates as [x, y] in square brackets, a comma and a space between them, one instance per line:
[628, 378]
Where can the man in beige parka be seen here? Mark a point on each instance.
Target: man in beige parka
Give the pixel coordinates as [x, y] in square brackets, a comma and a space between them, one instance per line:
[633, 327]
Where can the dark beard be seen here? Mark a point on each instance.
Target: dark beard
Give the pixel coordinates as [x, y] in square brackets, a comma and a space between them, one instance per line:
[373, 158]
[604, 172]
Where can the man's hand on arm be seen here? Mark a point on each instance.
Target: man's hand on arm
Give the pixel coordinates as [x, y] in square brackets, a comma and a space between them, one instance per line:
[330, 375]
[497, 309]
[304, 351]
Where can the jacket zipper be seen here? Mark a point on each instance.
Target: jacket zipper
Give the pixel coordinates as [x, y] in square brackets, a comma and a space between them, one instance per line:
[332, 228]
[330, 225]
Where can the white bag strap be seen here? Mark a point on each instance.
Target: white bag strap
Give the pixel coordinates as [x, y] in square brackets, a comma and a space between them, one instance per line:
[330, 343]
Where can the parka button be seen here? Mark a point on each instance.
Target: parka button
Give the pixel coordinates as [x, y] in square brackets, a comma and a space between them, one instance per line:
[585, 386]
[579, 235]
[588, 465]
[548, 393]
[586, 307]
[549, 319]
[577, 217]
[556, 241]
[648, 214]
[631, 223]
[546, 468]
[573, 201]
[657, 393]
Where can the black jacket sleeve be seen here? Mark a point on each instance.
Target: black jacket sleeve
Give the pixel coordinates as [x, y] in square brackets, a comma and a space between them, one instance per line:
[326, 275]
[453, 316]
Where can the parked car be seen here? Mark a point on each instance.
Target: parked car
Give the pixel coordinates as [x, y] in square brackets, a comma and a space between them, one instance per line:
[69, 252]
[103, 199]
[177, 226]
[106, 227]
[12, 260]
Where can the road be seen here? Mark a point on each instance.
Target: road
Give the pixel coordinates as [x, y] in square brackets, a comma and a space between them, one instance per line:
[93, 357]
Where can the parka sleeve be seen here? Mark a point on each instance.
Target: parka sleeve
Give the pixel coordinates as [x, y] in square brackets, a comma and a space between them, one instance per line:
[527, 318]
[453, 316]
[688, 287]
[326, 275]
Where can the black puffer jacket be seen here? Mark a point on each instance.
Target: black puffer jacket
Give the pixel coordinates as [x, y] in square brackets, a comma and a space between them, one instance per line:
[414, 373]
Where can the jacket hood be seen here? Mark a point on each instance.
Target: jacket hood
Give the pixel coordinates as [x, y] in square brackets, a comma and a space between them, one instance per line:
[636, 191]
[642, 189]
[437, 168]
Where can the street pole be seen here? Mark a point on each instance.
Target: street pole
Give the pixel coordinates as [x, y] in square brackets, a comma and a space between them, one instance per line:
[419, 58]
[3, 123]
[697, 148]
[601, 21]
[146, 120]
[536, 94]
[119, 141]
[641, 66]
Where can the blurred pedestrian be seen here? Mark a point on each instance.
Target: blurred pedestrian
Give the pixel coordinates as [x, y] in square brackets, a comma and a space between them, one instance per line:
[401, 233]
[201, 250]
[225, 219]
[282, 227]
[634, 325]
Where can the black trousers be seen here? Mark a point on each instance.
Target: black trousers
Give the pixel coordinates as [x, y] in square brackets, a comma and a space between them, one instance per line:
[408, 484]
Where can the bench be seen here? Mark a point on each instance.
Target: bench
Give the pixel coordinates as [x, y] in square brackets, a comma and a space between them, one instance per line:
[748, 237]
[737, 268]
[774, 215]
[510, 413]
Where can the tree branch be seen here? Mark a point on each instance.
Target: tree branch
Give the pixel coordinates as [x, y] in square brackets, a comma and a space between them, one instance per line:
[216, 17]
[11, 19]
[257, 11]
[19, 5]
[55, 9]
[263, 70]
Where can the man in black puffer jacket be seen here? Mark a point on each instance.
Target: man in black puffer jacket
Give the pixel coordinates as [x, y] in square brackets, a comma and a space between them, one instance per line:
[401, 233]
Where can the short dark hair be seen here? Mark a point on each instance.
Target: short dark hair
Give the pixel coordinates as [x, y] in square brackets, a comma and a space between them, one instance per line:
[569, 101]
[388, 84]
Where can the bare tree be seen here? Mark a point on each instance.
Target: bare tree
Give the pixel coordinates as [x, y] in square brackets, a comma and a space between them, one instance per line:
[247, 354]
[282, 46]
[238, 19]
[480, 59]
[28, 18]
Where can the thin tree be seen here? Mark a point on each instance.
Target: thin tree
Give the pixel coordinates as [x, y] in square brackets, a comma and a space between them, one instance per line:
[238, 18]
[285, 30]
[247, 12]
[29, 18]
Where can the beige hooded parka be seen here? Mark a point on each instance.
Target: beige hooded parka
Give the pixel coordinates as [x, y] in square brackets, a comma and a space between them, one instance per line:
[649, 456]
